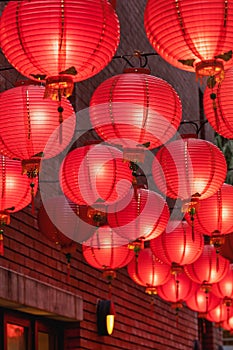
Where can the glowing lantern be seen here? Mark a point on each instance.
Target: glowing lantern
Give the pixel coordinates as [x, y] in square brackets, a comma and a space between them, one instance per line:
[184, 35]
[220, 313]
[176, 245]
[95, 173]
[224, 288]
[188, 168]
[208, 268]
[16, 191]
[228, 324]
[202, 301]
[34, 122]
[215, 215]
[218, 105]
[135, 109]
[74, 41]
[103, 251]
[177, 289]
[141, 215]
[15, 188]
[148, 271]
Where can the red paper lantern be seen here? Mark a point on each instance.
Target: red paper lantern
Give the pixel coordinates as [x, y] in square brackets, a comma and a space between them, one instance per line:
[228, 324]
[218, 102]
[224, 288]
[177, 289]
[194, 36]
[59, 41]
[141, 215]
[95, 173]
[208, 268]
[214, 216]
[15, 188]
[188, 168]
[34, 122]
[201, 301]
[148, 271]
[104, 252]
[134, 109]
[220, 313]
[177, 245]
[58, 220]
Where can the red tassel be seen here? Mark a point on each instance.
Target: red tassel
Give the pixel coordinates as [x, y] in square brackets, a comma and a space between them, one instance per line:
[1, 243]
[32, 197]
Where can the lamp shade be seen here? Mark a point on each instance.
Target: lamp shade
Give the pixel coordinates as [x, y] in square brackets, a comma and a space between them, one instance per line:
[215, 214]
[177, 288]
[189, 167]
[177, 244]
[143, 214]
[148, 271]
[134, 109]
[15, 189]
[191, 35]
[201, 301]
[58, 221]
[72, 42]
[103, 251]
[208, 268]
[95, 173]
[218, 102]
[33, 121]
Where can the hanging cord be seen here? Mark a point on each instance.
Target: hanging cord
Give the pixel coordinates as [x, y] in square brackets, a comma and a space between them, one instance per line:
[140, 57]
[60, 110]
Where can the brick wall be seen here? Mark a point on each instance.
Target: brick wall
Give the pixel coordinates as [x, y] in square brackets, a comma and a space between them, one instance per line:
[139, 325]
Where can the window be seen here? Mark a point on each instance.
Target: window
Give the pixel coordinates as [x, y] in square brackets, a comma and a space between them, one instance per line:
[26, 332]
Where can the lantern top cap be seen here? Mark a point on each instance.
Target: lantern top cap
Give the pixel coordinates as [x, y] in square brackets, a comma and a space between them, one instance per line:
[137, 70]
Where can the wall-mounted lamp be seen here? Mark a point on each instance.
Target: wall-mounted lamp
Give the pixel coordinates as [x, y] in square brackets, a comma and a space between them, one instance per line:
[105, 313]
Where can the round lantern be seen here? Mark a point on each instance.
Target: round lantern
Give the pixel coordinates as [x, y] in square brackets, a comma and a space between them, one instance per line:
[202, 301]
[214, 216]
[134, 109]
[148, 271]
[228, 324]
[102, 251]
[95, 173]
[176, 245]
[220, 313]
[15, 188]
[218, 102]
[224, 288]
[17, 191]
[194, 36]
[32, 121]
[189, 168]
[143, 214]
[74, 41]
[58, 220]
[177, 289]
[208, 268]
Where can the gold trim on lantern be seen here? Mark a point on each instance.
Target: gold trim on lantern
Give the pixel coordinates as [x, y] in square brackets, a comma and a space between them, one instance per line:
[210, 68]
[58, 86]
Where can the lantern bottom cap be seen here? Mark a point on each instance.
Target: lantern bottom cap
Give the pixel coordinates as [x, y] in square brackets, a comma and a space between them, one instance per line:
[211, 67]
[58, 86]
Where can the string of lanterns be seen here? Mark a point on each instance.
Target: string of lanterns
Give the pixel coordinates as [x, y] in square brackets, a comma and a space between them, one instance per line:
[133, 113]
